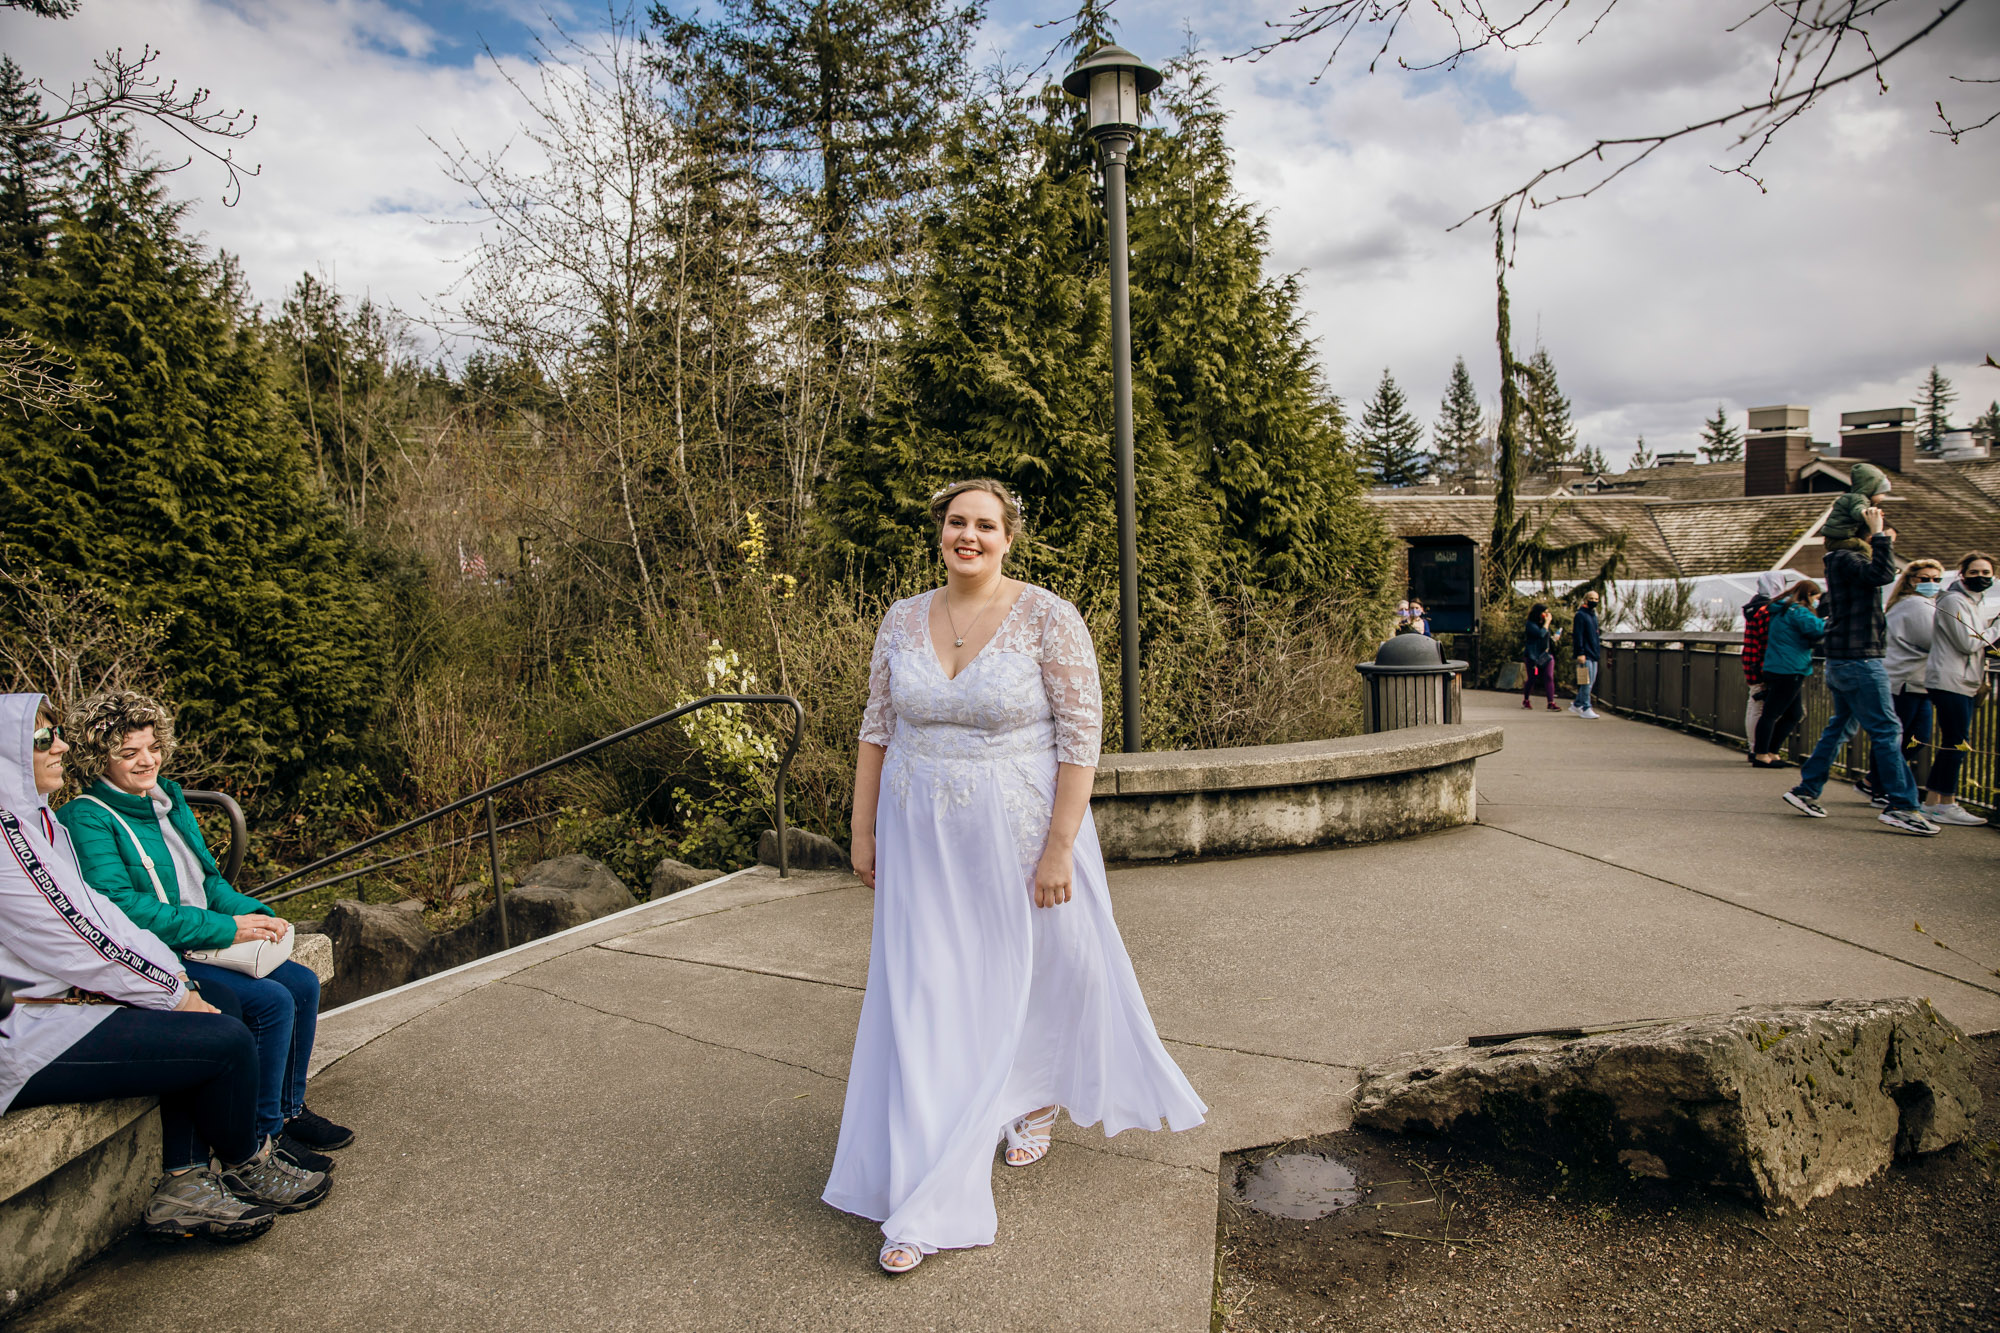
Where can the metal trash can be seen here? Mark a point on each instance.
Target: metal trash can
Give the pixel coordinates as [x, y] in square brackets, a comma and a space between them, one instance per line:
[1409, 684]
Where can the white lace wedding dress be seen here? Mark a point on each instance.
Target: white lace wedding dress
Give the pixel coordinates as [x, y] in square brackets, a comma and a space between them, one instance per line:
[980, 1006]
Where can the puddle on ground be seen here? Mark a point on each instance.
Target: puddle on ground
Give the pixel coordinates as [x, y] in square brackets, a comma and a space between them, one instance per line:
[1298, 1185]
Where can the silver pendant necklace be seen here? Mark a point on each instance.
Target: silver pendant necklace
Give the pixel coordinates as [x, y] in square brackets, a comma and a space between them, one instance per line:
[958, 640]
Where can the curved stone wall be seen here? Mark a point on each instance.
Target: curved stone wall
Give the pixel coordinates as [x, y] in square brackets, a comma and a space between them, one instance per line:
[1177, 803]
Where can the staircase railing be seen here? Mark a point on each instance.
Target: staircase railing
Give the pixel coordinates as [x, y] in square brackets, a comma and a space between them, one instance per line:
[484, 796]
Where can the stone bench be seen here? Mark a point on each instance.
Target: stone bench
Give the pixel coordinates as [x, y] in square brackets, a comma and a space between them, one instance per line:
[1173, 803]
[75, 1177]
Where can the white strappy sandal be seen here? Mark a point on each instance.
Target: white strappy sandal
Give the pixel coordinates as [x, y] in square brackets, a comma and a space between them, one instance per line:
[1028, 1138]
[899, 1256]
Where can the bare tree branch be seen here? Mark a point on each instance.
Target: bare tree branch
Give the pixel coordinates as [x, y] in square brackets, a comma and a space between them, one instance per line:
[125, 87]
[35, 379]
[1806, 66]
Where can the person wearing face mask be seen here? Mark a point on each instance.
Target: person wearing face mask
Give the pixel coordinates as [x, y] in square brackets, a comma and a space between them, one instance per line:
[1583, 631]
[104, 1009]
[1962, 633]
[1906, 652]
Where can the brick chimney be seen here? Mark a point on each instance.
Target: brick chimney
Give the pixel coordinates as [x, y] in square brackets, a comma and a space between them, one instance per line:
[1886, 437]
[1776, 449]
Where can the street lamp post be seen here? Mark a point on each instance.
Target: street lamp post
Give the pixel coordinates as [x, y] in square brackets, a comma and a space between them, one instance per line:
[1111, 80]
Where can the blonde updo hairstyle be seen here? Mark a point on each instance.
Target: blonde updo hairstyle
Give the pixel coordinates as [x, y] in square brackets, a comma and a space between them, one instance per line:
[1010, 504]
[100, 724]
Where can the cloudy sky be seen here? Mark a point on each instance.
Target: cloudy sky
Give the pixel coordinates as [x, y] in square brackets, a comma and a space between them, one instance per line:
[1870, 256]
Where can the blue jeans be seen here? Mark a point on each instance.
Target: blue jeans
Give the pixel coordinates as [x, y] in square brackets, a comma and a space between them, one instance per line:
[1586, 680]
[1860, 690]
[282, 1013]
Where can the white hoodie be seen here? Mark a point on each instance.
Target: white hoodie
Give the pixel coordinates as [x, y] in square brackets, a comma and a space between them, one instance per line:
[56, 932]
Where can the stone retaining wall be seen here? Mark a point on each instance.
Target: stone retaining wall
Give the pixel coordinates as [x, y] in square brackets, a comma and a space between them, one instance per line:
[1174, 803]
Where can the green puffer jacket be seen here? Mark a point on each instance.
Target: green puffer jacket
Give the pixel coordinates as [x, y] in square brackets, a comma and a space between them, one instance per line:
[112, 867]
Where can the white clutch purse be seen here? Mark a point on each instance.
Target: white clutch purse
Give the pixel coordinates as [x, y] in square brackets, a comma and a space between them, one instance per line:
[254, 958]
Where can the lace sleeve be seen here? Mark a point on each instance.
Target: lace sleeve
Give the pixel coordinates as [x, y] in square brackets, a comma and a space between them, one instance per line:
[1069, 676]
[878, 720]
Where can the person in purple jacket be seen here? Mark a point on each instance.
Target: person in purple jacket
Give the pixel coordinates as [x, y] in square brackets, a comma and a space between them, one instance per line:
[103, 1009]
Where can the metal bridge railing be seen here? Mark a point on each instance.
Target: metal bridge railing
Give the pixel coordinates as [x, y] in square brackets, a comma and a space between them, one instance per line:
[484, 796]
[1695, 682]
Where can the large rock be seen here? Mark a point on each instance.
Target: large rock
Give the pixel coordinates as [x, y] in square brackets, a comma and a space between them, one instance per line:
[804, 851]
[1784, 1102]
[566, 891]
[314, 949]
[671, 876]
[375, 948]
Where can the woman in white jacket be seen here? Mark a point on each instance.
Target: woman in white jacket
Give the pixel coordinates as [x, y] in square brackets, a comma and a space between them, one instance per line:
[102, 1009]
[1961, 633]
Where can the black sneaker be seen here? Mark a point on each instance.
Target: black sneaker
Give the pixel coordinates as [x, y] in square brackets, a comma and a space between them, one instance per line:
[302, 1157]
[194, 1203]
[315, 1131]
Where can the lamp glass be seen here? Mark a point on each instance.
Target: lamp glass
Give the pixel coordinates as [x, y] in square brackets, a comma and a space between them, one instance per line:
[1114, 98]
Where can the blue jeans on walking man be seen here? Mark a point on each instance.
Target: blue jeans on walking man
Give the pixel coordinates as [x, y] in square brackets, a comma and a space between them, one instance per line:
[1586, 679]
[1861, 701]
[282, 1013]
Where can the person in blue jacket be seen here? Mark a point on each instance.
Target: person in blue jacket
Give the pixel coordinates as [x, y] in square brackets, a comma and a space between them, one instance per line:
[138, 844]
[1587, 647]
[1792, 631]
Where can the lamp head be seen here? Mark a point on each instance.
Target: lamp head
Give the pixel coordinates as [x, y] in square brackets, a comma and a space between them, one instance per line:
[1112, 80]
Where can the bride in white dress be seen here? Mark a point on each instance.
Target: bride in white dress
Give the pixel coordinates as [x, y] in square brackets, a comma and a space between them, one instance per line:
[998, 987]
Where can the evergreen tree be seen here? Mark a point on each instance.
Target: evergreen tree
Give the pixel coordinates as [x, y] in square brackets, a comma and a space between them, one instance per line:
[1392, 437]
[1720, 441]
[181, 495]
[1592, 461]
[28, 179]
[1934, 402]
[1642, 457]
[1548, 432]
[1987, 424]
[1457, 432]
[1002, 367]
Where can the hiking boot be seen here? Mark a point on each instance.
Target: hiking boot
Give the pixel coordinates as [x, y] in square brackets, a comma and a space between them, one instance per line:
[1804, 804]
[1909, 821]
[1952, 813]
[315, 1131]
[269, 1178]
[195, 1203]
[302, 1157]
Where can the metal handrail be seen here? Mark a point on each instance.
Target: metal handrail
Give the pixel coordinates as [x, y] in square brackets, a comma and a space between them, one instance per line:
[239, 831]
[493, 828]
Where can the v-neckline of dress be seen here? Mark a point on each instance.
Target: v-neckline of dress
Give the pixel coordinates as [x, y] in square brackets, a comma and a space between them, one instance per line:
[930, 640]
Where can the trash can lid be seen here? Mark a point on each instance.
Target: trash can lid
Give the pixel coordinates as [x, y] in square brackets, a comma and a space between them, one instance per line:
[1409, 650]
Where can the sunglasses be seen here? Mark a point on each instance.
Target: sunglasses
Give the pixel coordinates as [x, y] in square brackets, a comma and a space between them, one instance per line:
[46, 737]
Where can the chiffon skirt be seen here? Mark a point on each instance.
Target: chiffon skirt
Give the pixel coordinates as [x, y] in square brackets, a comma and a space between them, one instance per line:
[982, 1007]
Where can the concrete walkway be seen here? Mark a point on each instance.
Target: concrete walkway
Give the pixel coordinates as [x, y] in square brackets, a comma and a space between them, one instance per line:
[628, 1126]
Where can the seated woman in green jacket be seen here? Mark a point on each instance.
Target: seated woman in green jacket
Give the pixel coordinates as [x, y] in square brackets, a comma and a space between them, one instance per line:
[139, 845]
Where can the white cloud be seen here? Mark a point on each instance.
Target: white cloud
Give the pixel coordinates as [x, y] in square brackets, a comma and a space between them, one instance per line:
[344, 100]
[1870, 258]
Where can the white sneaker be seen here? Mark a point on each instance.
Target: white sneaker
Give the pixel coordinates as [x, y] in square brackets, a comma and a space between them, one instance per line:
[1574, 709]
[1953, 813]
[1590, 713]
